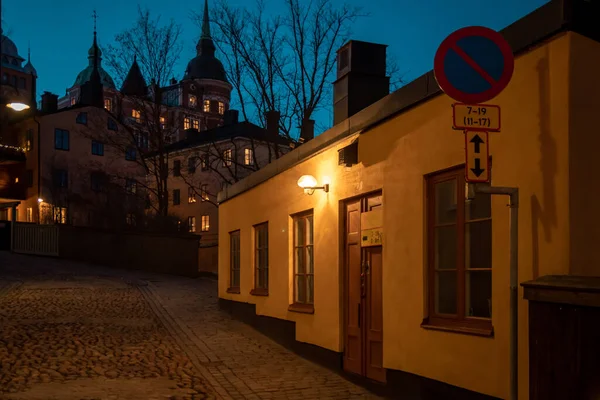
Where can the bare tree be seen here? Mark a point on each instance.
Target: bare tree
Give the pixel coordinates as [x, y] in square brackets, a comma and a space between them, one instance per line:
[282, 63]
[155, 47]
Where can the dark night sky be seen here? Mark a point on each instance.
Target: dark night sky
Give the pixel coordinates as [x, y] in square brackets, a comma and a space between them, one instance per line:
[60, 31]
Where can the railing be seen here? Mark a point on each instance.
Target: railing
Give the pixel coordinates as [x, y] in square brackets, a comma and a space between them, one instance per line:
[35, 239]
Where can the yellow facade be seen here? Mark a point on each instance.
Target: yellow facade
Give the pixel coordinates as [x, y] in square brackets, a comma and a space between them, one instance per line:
[545, 149]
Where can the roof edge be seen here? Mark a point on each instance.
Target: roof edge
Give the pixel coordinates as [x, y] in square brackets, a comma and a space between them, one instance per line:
[534, 28]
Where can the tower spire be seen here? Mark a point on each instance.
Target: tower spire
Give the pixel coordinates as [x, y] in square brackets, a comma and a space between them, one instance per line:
[205, 44]
[205, 23]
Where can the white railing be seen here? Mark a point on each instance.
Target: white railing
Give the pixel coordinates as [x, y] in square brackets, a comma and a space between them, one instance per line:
[35, 239]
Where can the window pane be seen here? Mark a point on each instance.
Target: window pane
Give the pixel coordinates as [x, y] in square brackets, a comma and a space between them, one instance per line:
[300, 261]
[478, 299]
[236, 278]
[300, 232]
[310, 283]
[445, 292]
[310, 261]
[309, 228]
[445, 247]
[478, 244]
[479, 207]
[301, 288]
[445, 202]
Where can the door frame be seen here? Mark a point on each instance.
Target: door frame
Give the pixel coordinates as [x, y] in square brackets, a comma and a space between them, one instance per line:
[343, 297]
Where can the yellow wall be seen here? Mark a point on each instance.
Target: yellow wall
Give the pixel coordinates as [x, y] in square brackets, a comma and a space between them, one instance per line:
[531, 153]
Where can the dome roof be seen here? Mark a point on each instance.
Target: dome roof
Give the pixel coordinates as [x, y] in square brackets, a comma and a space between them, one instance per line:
[85, 75]
[205, 66]
[9, 48]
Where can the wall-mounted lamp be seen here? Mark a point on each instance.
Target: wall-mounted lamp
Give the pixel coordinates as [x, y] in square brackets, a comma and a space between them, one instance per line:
[40, 200]
[309, 184]
[18, 106]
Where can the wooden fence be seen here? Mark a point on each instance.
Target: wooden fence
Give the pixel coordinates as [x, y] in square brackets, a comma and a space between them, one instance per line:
[35, 239]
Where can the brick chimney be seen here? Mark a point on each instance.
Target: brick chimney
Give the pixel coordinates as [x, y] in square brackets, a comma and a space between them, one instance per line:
[307, 130]
[361, 79]
[49, 102]
[272, 118]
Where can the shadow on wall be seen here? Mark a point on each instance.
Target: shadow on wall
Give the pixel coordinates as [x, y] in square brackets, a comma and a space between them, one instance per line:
[544, 214]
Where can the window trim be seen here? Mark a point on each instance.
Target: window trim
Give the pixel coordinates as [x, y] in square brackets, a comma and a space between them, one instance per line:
[308, 308]
[259, 291]
[235, 289]
[450, 323]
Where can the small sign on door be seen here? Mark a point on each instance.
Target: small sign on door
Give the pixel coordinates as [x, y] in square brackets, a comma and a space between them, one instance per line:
[371, 224]
[371, 237]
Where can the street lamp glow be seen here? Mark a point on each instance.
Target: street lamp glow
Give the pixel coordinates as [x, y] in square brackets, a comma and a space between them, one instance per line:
[40, 200]
[18, 106]
[307, 181]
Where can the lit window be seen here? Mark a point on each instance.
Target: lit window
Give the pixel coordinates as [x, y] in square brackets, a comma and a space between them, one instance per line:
[73, 101]
[108, 104]
[187, 123]
[196, 124]
[303, 259]
[191, 224]
[130, 219]
[131, 186]
[205, 223]
[248, 157]
[136, 115]
[227, 157]
[204, 162]
[29, 140]
[60, 215]
[204, 192]
[163, 122]
[29, 215]
[206, 107]
[191, 195]
[221, 108]
[192, 100]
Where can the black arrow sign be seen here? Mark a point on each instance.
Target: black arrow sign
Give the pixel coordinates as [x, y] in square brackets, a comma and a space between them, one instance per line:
[477, 170]
[477, 141]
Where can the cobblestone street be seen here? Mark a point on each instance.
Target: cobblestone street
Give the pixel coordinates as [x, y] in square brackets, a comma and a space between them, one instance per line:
[72, 331]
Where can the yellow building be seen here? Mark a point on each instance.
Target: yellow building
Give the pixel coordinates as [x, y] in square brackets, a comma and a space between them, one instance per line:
[427, 309]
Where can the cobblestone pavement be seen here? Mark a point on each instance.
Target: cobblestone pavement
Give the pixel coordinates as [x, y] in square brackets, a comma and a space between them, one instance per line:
[73, 331]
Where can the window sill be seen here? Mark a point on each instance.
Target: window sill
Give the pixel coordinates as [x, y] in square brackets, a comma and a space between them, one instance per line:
[302, 308]
[234, 290]
[259, 292]
[484, 330]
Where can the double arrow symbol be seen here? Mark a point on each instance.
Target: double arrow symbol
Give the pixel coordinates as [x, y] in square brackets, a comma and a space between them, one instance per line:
[477, 141]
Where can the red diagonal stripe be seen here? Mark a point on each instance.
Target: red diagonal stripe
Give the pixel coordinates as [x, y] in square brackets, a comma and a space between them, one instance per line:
[473, 64]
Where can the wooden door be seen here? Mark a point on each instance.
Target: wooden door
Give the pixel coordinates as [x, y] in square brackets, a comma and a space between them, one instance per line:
[363, 350]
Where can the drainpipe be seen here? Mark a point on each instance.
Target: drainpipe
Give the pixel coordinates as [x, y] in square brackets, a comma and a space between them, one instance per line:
[39, 167]
[513, 194]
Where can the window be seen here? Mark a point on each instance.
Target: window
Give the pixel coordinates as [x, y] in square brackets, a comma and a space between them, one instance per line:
[97, 148]
[108, 104]
[112, 125]
[261, 259]
[130, 186]
[130, 154]
[73, 101]
[206, 106]
[141, 140]
[130, 219]
[29, 177]
[303, 261]
[61, 139]
[460, 255]
[22, 83]
[191, 195]
[205, 223]
[195, 124]
[136, 115]
[191, 164]
[191, 224]
[221, 108]
[248, 157]
[61, 178]
[29, 215]
[187, 123]
[227, 156]
[60, 215]
[81, 118]
[204, 192]
[204, 162]
[192, 100]
[234, 262]
[176, 197]
[163, 122]
[29, 140]
[96, 179]
[177, 168]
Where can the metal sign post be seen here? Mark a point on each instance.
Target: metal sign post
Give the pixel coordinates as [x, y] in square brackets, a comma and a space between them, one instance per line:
[472, 66]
